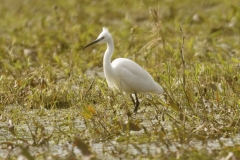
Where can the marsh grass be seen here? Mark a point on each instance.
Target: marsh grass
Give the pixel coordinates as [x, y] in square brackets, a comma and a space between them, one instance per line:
[55, 103]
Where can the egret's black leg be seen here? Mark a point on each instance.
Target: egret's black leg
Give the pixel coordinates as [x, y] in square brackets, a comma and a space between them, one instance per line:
[132, 99]
[136, 103]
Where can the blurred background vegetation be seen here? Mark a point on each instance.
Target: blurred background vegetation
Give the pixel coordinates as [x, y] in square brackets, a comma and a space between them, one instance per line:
[54, 94]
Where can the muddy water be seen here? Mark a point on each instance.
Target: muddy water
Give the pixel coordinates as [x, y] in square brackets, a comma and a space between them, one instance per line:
[67, 123]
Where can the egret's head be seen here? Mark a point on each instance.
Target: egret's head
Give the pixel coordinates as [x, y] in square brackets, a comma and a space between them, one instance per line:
[102, 38]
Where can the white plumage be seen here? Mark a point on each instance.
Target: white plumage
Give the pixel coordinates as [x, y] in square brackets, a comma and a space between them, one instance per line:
[124, 74]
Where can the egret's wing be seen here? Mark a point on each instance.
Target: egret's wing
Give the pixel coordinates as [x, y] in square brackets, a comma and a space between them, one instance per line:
[132, 77]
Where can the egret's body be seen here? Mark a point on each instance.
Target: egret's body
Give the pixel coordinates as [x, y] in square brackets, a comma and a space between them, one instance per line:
[124, 74]
[131, 78]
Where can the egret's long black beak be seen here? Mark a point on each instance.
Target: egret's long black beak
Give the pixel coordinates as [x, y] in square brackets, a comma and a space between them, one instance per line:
[96, 41]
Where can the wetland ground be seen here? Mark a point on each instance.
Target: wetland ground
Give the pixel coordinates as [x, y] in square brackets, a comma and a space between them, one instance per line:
[55, 102]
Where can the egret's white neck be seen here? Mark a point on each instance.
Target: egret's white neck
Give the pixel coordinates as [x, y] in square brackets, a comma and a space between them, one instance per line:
[108, 71]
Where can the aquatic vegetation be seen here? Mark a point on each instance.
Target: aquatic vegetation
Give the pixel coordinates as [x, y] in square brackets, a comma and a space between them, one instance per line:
[55, 102]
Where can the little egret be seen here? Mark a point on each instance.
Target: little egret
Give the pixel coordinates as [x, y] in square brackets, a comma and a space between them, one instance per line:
[124, 74]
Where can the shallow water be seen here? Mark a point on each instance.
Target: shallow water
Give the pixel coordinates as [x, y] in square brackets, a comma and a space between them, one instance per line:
[61, 122]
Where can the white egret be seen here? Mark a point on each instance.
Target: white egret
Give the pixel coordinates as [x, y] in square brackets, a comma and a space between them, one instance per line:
[124, 74]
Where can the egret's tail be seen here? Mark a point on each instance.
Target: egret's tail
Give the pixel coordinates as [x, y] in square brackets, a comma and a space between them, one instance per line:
[159, 89]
